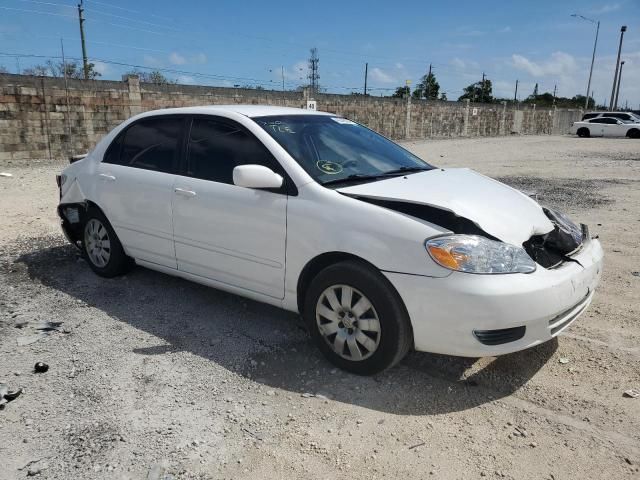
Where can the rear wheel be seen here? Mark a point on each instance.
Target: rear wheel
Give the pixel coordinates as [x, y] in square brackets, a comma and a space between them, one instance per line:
[357, 319]
[583, 132]
[633, 133]
[101, 246]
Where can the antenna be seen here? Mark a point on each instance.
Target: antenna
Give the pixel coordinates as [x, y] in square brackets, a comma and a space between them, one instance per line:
[313, 71]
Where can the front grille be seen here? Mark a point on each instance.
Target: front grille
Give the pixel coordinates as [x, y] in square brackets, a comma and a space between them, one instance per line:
[562, 320]
[498, 337]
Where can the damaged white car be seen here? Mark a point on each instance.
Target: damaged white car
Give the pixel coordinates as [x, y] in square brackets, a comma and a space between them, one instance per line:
[379, 251]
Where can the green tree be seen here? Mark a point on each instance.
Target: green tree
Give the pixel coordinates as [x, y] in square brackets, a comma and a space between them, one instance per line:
[478, 92]
[155, 76]
[36, 71]
[427, 88]
[443, 97]
[73, 70]
[401, 92]
[535, 92]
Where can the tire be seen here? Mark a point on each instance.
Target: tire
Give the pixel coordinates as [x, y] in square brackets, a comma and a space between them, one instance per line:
[633, 133]
[101, 247]
[331, 327]
[584, 132]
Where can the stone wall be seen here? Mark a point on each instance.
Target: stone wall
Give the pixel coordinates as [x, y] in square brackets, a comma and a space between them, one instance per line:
[46, 118]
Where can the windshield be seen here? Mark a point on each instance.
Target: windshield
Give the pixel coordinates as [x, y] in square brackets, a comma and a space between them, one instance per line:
[334, 150]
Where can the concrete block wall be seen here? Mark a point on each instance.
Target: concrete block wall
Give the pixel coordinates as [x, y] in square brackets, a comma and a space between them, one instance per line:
[44, 118]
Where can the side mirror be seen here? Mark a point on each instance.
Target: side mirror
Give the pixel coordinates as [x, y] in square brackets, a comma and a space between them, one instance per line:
[256, 176]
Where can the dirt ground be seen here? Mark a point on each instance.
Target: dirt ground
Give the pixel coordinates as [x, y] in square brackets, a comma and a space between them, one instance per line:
[159, 378]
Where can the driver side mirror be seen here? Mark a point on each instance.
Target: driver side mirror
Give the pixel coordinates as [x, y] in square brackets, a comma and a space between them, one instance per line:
[256, 176]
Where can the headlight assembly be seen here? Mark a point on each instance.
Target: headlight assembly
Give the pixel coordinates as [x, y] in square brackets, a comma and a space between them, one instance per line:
[475, 254]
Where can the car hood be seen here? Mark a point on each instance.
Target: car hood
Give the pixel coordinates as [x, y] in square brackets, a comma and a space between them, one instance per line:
[499, 210]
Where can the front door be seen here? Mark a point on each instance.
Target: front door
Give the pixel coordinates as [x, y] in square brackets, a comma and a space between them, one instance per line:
[135, 187]
[223, 232]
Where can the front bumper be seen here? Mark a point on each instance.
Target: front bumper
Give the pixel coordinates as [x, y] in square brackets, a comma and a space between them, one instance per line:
[445, 312]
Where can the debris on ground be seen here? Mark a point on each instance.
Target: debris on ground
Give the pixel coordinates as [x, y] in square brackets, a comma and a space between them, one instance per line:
[5, 174]
[635, 274]
[632, 393]
[6, 395]
[40, 367]
[43, 329]
[563, 360]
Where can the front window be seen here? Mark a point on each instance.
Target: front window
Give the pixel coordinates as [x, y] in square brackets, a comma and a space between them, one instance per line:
[334, 150]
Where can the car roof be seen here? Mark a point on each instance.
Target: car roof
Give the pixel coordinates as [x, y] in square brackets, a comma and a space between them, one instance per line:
[247, 110]
[605, 113]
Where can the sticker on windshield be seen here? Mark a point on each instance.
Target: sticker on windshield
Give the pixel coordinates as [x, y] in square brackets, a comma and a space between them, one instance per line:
[343, 121]
[329, 167]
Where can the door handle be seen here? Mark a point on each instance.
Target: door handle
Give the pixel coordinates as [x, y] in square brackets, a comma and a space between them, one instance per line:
[184, 192]
[105, 176]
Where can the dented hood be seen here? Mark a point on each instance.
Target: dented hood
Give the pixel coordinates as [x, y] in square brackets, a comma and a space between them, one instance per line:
[496, 208]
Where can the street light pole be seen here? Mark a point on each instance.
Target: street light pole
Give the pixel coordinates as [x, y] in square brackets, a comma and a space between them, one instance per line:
[593, 56]
[615, 103]
[615, 75]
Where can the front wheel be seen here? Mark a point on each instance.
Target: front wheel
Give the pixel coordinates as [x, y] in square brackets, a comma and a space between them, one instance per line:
[634, 133]
[584, 133]
[357, 319]
[102, 249]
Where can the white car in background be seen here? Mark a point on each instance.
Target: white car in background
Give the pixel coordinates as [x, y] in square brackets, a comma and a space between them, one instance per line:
[379, 251]
[605, 127]
[624, 116]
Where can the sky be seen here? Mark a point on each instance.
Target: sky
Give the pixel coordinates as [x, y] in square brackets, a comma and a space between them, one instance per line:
[227, 43]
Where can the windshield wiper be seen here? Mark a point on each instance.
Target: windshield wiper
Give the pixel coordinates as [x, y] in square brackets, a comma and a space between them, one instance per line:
[401, 170]
[356, 177]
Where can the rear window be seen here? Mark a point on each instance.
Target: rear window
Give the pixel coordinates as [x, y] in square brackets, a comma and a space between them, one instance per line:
[587, 116]
[149, 144]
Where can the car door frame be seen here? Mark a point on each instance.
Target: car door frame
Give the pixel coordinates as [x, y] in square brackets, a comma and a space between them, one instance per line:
[288, 188]
[103, 173]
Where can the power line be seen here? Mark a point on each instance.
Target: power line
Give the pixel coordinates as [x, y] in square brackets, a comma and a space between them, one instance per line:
[37, 11]
[121, 17]
[129, 10]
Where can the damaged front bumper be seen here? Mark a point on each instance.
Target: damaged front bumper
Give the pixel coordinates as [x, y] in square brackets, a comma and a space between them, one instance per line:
[486, 315]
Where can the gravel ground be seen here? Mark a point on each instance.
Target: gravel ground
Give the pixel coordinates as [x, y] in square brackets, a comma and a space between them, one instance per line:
[152, 377]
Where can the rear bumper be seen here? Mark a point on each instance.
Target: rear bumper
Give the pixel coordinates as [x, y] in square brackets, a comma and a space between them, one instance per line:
[447, 313]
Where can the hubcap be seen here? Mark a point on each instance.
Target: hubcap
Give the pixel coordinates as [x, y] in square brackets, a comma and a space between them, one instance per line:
[97, 244]
[348, 322]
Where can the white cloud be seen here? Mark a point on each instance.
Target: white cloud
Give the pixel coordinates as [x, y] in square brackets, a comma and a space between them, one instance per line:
[151, 61]
[560, 63]
[176, 59]
[606, 8]
[379, 75]
[199, 58]
[185, 80]
[101, 67]
[506, 29]
[464, 64]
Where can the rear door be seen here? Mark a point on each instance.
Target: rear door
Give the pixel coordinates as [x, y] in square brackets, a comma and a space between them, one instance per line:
[596, 127]
[135, 186]
[223, 232]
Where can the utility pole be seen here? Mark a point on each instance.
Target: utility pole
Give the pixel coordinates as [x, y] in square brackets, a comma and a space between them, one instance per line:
[615, 103]
[313, 71]
[593, 56]
[282, 70]
[482, 90]
[615, 75]
[85, 63]
[366, 72]
[515, 95]
[554, 93]
[428, 92]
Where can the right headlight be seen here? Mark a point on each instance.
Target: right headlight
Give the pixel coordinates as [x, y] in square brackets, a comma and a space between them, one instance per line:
[475, 254]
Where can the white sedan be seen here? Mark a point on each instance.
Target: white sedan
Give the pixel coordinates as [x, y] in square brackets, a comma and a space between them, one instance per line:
[605, 127]
[379, 251]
